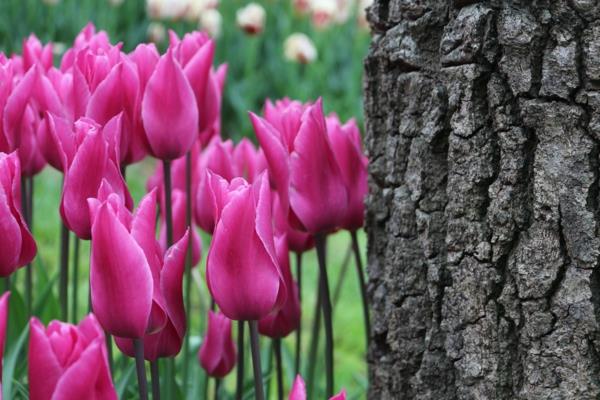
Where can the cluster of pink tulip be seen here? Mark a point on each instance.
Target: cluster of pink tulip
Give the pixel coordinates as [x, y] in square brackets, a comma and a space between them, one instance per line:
[103, 110]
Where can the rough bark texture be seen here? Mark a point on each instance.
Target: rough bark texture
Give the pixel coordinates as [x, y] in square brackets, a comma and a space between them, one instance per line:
[483, 130]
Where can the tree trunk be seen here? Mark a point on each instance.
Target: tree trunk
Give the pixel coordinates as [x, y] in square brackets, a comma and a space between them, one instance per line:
[483, 131]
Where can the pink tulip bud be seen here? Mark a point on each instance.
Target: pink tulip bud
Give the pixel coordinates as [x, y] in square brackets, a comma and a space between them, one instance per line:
[35, 53]
[217, 353]
[169, 110]
[298, 391]
[119, 93]
[123, 259]
[17, 247]
[68, 361]
[93, 161]
[166, 341]
[287, 319]
[347, 148]
[243, 250]
[3, 322]
[30, 156]
[303, 166]
[248, 160]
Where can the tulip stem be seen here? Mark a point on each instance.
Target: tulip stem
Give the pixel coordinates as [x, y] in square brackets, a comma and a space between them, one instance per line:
[240, 362]
[75, 290]
[155, 375]
[259, 392]
[64, 273]
[299, 330]
[169, 225]
[279, 367]
[217, 388]
[363, 286]
[168, 206]
[138, 347]
[188, 266]
[314, 345]
[337, 291]
[27, 205]
[109, 351]
[321, 242]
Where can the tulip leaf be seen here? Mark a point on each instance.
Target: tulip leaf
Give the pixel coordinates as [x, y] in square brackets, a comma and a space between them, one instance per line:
[8, 372]
[124, 381]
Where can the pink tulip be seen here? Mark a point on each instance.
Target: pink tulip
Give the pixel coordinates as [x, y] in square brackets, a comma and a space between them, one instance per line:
[243, 272]
[347, 147]
[136, 292]
[180, 226]
[214, 193]
[87, 39]
[167, 341]
[217, 353]
[3, 321]
[33, 93]
[303, 166]
[248, 160]
[93, 160]
[121, 280]
[17, 247]
[169, 110]
[30, 155]
[68, 361]
[287, 319]
[298, 391]
[119, 93]
[298, 241]
[35, 53]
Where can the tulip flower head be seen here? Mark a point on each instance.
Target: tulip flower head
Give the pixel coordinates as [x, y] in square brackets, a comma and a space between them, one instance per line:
[169, 110]
[323, 12]
[211, 21]
[347, 147]
[217, 354]
[303, 167]
[298, 391]
[243, 273]
[89, 157]
[68, 361]
[251, 18]
[136, 292]
[299, 48]
[17, 247]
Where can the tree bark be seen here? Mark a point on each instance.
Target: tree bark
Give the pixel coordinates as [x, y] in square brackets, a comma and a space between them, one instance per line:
[483, 131]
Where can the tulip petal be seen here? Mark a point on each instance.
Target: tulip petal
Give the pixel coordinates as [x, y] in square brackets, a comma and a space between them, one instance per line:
[169, 110]
[120, 278]
[317, 192]
[298, 391]
[44, 370]
[171, 281]
[87, 378]
[241, 274]
[10, 245]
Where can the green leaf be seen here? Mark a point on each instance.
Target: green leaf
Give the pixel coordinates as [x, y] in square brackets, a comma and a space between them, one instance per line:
[8, 372]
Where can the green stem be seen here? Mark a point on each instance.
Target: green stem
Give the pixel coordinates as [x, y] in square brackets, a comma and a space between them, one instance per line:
[138, 346]
[188, 266]
[64, 273]
[314, 345]
[279, 367]
[299, 330]
[155, 376]
[75, 290]
[321, 242]
[337, 291]
[217, 388]
[109, 351]
[363, 286]
[259, 391]
[169, 225]
[240, 362]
